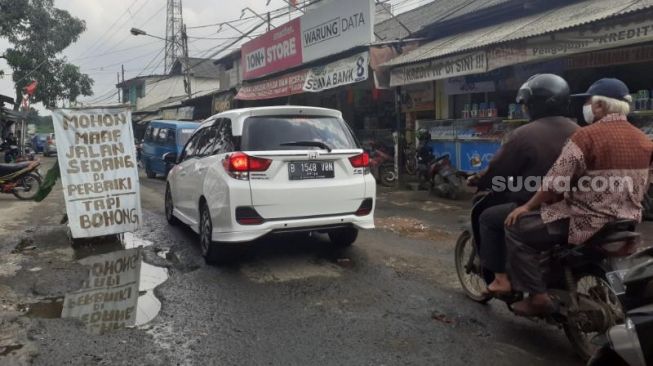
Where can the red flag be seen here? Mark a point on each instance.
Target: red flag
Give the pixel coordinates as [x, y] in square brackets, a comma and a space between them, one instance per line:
[30, 89]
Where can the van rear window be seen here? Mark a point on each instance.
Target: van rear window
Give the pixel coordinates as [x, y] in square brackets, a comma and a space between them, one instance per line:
[265, 133]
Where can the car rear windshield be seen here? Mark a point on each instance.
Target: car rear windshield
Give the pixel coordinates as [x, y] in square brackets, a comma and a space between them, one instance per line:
[265, 133]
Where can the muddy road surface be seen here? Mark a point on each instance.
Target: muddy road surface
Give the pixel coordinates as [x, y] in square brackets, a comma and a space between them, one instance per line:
[391, 299]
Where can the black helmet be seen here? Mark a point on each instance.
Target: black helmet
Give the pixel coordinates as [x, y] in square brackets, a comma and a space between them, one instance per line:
[545, 95]
[423, 134]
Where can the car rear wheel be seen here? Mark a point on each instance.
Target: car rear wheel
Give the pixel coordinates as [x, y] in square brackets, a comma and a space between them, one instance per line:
[343, 237]
[214, 253]
[169, 207]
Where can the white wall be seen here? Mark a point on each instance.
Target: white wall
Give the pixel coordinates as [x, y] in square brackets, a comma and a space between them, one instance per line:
[158, 90]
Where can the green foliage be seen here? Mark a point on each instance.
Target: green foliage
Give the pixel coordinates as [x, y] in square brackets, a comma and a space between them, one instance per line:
[49, 181]
[38, 33]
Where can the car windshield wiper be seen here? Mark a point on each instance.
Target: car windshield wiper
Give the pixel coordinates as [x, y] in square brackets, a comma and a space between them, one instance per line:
[319, 144]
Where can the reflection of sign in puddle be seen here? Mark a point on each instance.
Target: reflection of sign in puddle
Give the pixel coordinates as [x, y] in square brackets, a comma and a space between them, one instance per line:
[118, 293]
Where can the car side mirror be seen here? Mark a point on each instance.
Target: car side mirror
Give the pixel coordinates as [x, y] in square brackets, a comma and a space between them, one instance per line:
[170, 158]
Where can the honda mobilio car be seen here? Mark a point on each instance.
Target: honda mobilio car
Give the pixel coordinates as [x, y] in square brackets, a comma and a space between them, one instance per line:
[248, 173]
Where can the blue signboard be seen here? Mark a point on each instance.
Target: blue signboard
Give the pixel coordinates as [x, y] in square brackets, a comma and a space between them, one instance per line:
[475, 155]
[446, 147]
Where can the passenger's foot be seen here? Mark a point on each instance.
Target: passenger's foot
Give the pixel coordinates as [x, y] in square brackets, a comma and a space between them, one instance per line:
[501, 285]
[535, 305]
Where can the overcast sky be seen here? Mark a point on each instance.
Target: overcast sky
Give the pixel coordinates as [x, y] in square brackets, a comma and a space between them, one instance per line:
[107, 44]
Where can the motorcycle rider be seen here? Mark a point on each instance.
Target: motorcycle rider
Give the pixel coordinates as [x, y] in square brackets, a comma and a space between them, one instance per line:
[529, 152]
[424, 153]
[610, 150]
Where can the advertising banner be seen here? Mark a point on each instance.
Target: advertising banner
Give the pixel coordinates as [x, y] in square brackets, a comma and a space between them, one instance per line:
[459, 65]
[276, 50]
[97, 160]
[343, 72]
[332, 75]
[607, 35]
[330, 28]
[108, 298]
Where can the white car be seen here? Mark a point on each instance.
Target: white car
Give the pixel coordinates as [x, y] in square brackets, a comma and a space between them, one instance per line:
[248, 173]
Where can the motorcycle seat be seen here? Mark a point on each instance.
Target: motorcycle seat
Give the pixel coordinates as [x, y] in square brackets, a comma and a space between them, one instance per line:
[6, 169]
[616, 231]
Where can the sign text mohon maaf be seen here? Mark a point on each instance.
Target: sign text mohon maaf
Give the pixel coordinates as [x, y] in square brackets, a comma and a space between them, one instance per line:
[99, 173]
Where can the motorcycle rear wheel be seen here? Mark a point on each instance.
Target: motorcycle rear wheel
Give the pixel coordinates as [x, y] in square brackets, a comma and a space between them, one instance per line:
[27, 187]
[597, 288]
[387, 175]
[472, 281]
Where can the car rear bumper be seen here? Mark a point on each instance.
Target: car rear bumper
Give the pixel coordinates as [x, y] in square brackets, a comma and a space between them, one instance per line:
[246, 233]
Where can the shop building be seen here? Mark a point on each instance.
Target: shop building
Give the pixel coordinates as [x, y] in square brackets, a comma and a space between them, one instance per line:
[474, 75]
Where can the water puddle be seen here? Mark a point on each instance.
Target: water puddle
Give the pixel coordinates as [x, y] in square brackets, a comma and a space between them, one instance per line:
[48, 309]
[118, 293]
[5, 350]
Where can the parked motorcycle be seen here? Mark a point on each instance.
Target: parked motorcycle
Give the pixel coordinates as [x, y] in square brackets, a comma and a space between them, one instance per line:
[445, 180]
[13, 155]
[382, 165]
[20, 179]
[631, 343]
[577, 277]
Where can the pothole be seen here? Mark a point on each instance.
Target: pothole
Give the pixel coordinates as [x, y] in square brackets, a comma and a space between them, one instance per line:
[118, 293]
[48, 308]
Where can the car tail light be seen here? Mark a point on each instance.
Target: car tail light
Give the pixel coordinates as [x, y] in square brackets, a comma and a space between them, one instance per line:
[360, 161]
[365, 208]
[248, 216]
[239, 165]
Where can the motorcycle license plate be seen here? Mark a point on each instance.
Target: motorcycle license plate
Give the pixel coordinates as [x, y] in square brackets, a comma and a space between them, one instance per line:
[301, 170]
[616, 280]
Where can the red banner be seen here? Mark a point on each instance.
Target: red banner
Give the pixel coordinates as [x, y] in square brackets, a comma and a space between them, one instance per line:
[282, 86]
[278, 49]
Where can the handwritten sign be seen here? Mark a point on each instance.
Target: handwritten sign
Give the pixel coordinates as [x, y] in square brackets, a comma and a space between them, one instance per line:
[98, 170]
[108, 298]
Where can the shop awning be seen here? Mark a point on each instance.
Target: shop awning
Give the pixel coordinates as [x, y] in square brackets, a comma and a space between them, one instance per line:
[558, 19]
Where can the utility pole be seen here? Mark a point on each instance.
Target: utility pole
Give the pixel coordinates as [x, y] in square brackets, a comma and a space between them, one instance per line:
[120, 88]
[269, 21]
[184, 40]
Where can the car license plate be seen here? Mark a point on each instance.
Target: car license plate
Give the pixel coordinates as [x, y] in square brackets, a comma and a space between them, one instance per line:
[300, 170]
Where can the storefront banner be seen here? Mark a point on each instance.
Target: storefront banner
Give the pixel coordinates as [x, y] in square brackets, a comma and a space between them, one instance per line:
[461, 85]
[278, 87]
[276, 50]
[335, 26]
[608, 35]
[330, 28]
[181, 113]
[621, 56]
[346, 71]
[97, 160]
[459, 65]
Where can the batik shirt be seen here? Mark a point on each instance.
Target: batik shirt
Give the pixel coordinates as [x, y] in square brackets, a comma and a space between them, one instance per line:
[603, 172]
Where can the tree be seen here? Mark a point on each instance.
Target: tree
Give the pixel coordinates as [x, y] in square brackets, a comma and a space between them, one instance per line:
[38, 33]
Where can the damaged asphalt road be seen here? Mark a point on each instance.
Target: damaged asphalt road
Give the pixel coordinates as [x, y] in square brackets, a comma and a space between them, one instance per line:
[391, 299]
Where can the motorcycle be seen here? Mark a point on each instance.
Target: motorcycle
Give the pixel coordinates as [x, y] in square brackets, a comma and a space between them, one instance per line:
[577, 277]
[382, 165]
[631, 343]
[445, 181]
[20, 179]
[13, 155]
